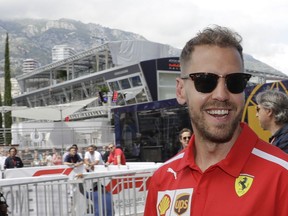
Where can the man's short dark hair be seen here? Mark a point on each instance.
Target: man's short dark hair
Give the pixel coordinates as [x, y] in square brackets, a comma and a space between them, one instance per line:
[13, 148]
[217, 35]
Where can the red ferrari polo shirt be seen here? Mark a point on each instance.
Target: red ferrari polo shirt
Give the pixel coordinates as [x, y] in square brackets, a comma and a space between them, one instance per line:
[251, 180]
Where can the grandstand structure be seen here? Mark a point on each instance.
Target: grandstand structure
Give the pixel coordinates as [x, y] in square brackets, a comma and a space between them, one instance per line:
[127, 68]
[84, 74]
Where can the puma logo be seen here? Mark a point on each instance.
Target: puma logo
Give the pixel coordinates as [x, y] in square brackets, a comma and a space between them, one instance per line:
[173, 172]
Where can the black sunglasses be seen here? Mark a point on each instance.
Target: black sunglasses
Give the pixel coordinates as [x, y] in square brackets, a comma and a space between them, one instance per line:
[207, 82]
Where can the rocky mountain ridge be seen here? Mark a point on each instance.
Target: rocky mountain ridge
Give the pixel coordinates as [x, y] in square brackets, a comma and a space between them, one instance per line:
[35, 38]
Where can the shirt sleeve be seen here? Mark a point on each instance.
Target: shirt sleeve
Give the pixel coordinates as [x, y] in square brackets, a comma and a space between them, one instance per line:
[97, 156]
[6, 164]
[86, 156]
[79, 159]
[67, 159]
[118, 152]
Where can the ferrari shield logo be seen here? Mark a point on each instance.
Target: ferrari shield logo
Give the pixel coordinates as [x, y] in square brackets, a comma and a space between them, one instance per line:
[243, 184]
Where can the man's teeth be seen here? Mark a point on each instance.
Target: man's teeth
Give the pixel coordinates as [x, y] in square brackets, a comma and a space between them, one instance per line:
[218, 112]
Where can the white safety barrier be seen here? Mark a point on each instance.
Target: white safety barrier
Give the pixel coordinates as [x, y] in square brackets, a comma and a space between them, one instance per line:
[62, 190]
[36, 195]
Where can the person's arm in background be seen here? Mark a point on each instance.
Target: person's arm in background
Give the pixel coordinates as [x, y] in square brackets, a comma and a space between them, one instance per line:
[6, 163]
[118, 160]
[109, 160]
[79, 161]
[67, 162]
[118, 153]
[20, 163]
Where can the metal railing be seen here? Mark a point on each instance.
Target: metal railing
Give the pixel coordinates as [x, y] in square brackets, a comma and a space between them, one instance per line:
[105, 193]
[33, 196]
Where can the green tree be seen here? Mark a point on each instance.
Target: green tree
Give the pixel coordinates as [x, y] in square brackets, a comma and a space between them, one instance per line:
[7, 93]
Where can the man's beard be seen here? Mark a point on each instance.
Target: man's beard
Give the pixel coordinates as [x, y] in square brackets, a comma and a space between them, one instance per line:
[221, 133]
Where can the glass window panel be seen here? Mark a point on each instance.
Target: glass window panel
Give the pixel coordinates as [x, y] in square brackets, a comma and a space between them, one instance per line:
[136, 81]
[114, 86]
[131, 101]
[167, 85]
[167, 93]
[125, 84]
[168, 78]
[141, 97]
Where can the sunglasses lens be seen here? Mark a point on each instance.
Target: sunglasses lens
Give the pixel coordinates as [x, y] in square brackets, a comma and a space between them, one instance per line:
[237, 82]
[205, 82]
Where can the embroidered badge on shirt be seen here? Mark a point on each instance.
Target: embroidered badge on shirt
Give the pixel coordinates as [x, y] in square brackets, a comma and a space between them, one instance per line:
[181, 203]
[243, 184]
[164, 204]
[174, 202]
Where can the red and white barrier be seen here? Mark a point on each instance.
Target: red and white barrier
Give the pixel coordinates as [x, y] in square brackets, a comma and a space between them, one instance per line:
[36, 190]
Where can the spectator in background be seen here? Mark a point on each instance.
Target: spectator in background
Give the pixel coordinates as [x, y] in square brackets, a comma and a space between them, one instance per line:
[272, 112]
[37, 155]
[2, 151]
[56, 158]
[66, 153]
[106, 153]
[116, 156]
[184, 137]
[36, 161]
[27, 156]
[73, 159]
[77, 151]
[44, 159]
[54, 152]
[92, 157]
[3, 156]
[48, 159]
[13, 161]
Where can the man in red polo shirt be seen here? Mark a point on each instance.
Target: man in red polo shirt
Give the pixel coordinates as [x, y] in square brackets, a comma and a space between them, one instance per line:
[226, 170]
[116, 156]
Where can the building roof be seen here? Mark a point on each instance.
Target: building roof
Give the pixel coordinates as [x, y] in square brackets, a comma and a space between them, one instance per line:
[123, 53]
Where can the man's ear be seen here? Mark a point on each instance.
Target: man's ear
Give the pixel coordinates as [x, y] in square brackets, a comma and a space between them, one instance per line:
[180, 91]
[269, 112]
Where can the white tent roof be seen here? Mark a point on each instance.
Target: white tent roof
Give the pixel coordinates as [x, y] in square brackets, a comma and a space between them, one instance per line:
[53, 113]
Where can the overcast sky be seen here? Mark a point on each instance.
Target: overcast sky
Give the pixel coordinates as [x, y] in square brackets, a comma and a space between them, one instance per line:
[263, 24]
